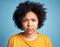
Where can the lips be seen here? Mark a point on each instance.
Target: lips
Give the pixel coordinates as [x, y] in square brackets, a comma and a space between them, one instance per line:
[29, 29]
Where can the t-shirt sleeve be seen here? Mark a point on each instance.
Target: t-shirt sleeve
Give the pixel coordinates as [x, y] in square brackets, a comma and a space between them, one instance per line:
[48, 42]
[10, 42]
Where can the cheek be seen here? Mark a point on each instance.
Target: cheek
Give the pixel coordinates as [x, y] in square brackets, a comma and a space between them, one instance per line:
[36, 25]
[24, 25]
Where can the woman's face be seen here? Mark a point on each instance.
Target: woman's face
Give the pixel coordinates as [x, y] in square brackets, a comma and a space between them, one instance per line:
[30, 22]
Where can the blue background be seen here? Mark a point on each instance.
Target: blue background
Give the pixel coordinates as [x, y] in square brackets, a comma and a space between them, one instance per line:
[51, 27]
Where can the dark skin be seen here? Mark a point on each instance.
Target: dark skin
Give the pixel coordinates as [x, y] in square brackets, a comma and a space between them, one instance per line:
[30, 25]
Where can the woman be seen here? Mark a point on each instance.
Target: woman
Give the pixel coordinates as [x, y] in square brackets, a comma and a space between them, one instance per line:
[29, 16]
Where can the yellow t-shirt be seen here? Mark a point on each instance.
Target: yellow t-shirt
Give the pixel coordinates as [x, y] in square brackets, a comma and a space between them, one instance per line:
[18, 41]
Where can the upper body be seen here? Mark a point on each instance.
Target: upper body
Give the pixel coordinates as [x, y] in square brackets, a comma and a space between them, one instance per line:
[29, 16]
[18, 41]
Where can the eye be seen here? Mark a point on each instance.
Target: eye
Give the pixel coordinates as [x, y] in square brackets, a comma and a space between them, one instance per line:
[25, 20]
[33, 20]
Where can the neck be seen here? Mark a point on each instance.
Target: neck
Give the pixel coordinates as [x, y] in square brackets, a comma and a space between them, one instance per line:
[31, 36]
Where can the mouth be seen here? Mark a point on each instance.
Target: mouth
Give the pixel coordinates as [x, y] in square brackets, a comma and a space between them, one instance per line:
[29, 29]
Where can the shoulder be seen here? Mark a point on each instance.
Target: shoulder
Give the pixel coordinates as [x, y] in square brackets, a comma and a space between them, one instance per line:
[13, 39]
[44, 37]
[15, 36]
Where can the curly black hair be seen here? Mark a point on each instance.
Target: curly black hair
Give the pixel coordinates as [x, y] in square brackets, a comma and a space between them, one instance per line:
[25, 7]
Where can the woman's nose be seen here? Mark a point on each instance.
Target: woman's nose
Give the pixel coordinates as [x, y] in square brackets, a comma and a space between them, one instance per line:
[29, 23]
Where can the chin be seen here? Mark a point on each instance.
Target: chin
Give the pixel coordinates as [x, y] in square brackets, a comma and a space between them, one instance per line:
[30, 32]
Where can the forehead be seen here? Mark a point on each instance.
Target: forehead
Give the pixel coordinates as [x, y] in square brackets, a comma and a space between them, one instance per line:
[30, 14]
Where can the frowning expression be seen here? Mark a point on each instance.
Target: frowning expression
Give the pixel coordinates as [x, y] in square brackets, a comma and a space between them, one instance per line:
[30, 22]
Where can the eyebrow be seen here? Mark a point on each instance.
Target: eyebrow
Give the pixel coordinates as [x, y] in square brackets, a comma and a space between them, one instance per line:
[27, 18]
